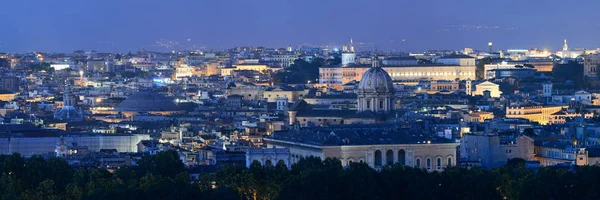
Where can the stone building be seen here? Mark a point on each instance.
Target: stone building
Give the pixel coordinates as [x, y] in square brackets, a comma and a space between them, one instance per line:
[375, 104]
[377, 145]
[268, 157]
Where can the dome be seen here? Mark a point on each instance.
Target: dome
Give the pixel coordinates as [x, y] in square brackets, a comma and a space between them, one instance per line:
[376, 79]
[147, 101]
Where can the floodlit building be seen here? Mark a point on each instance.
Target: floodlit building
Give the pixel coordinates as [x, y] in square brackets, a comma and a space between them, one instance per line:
[534, 113]
[376, 147]
[492, 88]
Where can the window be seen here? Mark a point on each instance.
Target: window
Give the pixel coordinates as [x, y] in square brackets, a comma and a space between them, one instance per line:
[418, 162]
[449, 162]
[368, 104]
[389, 157]
[402, 157]
[378, 159]
[380, 104]
[439, 163]
[428, 163]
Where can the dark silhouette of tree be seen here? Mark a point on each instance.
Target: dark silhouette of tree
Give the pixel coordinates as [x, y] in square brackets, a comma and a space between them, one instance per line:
[479, 67]
[163, 177]
[300, 72]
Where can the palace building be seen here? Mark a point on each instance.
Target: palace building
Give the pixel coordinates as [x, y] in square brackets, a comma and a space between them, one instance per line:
[377, 145]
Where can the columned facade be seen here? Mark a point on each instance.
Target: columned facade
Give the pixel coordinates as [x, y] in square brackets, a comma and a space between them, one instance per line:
[268, 157]
[376, 156]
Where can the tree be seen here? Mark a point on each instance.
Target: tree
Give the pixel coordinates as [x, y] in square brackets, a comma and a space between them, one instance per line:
[480, 67]
[300, 72]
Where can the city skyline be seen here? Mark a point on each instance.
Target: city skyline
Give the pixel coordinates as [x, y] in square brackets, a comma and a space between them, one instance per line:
[116, 26]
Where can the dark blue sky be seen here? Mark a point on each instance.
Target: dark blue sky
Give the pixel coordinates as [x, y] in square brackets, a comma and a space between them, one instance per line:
[130, 25]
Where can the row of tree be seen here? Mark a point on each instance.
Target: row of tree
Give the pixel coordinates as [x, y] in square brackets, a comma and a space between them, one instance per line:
[164, 177]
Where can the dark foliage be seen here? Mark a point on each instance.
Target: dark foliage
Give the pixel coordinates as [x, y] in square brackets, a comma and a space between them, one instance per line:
[164, 177]
[300, 72]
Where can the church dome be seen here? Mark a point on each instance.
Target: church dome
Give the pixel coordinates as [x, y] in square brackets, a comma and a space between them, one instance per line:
[147, 101]
[376, 79]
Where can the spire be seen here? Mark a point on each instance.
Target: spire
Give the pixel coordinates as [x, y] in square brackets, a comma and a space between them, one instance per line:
[351, 45]
[67, 94]
[565, 46]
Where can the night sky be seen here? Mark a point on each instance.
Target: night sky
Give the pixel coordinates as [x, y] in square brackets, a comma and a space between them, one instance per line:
[401, 25]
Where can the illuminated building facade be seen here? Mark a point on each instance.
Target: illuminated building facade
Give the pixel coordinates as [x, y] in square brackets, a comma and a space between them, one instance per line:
[374, 146]
[331, 75]
[540, 114]
[591, 64]
[481, 88]
[285, 59]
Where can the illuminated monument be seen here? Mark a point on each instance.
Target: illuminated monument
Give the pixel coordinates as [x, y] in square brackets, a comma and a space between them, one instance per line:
[376, 90]
[348, 55]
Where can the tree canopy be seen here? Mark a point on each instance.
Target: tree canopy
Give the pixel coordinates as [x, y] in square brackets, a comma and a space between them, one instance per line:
[163, 176]
[300, 72]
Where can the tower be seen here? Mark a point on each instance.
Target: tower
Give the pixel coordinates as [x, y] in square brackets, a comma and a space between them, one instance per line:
[490, 47]
[348, 55]
[289, 48]
[547, 89]
[468, 87]
[565, 46]
[67, 98]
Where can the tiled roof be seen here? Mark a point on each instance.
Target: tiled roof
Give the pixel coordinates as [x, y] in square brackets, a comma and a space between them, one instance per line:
[355, 135]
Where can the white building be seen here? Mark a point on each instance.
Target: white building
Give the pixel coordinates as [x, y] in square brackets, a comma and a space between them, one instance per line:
[268, 157]
[29, 146]
[493, 88]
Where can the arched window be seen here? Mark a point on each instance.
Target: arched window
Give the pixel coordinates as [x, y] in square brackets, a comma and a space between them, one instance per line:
[402, 157]
[378, 159]
[256, 162]
[268, 163]
[381, 104]
[428, 163]
[439, 163]
[418, 162]
[389, 157]
[449, 162]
